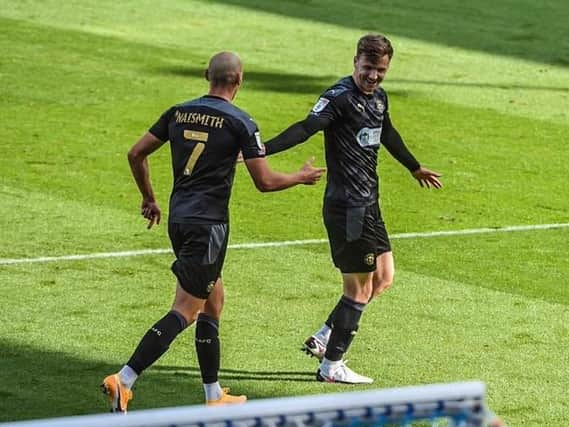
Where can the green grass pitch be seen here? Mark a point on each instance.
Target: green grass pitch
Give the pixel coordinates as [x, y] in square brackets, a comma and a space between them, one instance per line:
[479, 92]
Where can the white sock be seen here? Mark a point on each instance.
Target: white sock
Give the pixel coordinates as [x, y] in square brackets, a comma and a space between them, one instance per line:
[212, 391]
[127, 376]
[323, 334]
[329, 366]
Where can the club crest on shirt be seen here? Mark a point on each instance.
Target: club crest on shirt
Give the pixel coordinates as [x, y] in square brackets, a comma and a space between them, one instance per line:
[210, 286]
[380, 106]
[320, 105]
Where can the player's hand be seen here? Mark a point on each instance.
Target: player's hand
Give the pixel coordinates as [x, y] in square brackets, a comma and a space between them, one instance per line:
[151, 211]
[427, 178]
[309, 174]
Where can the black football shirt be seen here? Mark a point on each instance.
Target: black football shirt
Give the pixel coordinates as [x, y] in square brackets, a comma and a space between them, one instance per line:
[352, 140]
[206, 135]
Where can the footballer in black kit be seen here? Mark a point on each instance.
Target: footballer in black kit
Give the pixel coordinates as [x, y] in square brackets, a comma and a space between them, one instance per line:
[206, 135]
[354, 115]
[355, 126]
[213, 131]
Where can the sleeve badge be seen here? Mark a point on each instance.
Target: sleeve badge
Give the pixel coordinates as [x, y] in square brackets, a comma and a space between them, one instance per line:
[320, 105]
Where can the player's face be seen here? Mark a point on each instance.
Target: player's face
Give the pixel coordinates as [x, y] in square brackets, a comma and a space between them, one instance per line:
[369, 73]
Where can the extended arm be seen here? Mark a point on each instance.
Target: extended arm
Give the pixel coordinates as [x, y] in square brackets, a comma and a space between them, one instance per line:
[137, 159]
[296, 134]
[397, 148]
[266, 179]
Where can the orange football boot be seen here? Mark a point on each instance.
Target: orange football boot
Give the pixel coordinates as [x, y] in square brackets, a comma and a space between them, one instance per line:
[117, 393]
[227, 399]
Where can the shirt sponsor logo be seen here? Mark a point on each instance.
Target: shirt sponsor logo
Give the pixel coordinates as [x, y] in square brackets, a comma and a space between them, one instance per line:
[368, 137]
[320, 105]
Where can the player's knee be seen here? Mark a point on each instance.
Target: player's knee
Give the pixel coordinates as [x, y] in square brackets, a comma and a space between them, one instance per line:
[386, 282]
[214, 305]
[213, 310]
[385, 279]
[381, 284]
[189, 313]
[389, 276]
[358, 287]
[362, 295]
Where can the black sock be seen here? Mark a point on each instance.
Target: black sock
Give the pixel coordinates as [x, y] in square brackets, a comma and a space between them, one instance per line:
[345, 325]
[330, 321]
[156, 341]
[207, 347]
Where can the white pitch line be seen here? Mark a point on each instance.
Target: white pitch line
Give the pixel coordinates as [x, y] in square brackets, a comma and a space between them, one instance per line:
[507, 229]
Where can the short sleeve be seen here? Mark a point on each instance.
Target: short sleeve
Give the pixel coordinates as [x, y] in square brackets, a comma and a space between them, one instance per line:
[160, 128]
[250, 142]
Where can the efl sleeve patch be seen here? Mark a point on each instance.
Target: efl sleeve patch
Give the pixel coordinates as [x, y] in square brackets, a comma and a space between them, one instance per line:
[252, 146]
[259, 143]
[320, 105]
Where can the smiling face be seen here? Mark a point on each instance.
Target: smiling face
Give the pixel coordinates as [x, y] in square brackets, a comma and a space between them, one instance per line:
[369, 71]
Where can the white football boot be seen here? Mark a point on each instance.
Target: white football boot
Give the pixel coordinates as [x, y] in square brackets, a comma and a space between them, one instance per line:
[339, 373]
[314, 347]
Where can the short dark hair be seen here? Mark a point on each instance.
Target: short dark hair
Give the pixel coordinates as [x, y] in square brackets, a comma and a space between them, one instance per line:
[374, 46]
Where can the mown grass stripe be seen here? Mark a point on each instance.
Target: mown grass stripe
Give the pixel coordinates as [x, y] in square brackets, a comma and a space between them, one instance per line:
[418, 235]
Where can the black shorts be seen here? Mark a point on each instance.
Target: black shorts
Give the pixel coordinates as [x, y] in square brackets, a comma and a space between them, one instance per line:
[200, 251]
[357, 236]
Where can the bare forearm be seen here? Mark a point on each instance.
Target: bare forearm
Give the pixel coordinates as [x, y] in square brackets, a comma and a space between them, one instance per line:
[279, 181]
[141, 173]
[266, 179]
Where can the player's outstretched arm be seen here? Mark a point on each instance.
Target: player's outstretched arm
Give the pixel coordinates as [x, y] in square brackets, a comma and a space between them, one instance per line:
[392, 140]
[266, 179]
[295, 134]
[137, 159]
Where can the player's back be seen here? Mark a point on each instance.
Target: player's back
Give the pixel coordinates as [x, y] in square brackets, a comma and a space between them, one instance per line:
[206, 135]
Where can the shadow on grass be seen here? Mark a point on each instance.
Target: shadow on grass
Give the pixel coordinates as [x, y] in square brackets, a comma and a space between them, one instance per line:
[265, 80]
[304, 84]
[525, 29]
[38, 383]
[242, 374]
